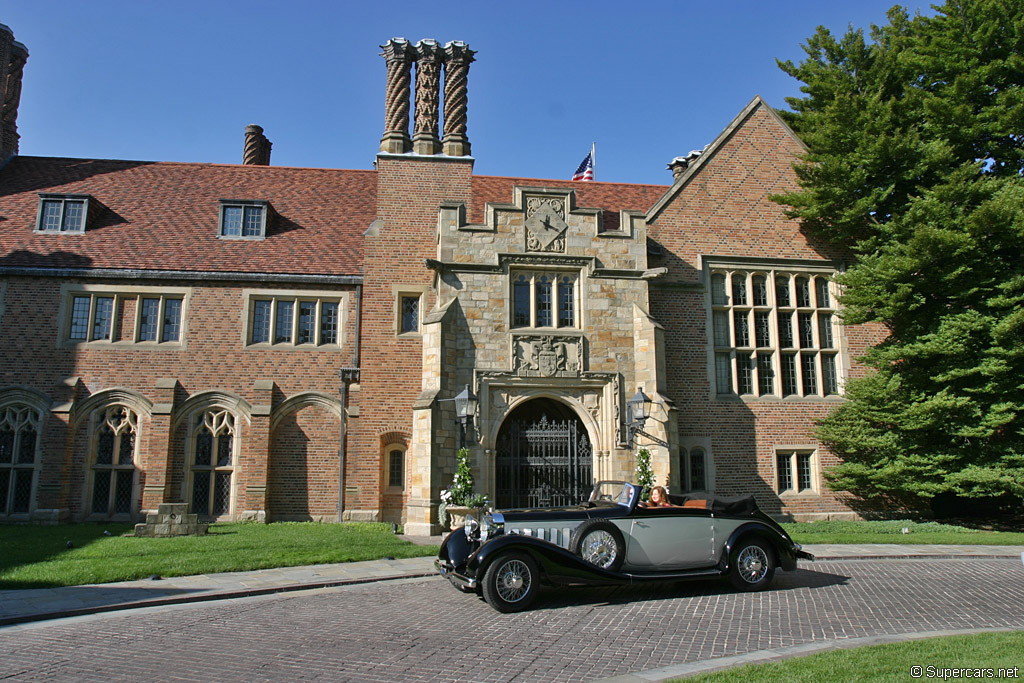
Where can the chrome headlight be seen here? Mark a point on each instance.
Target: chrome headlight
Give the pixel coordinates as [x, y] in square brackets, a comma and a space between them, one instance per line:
[472, 528]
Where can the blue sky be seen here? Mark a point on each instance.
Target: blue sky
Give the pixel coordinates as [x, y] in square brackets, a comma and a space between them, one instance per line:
[178, 81]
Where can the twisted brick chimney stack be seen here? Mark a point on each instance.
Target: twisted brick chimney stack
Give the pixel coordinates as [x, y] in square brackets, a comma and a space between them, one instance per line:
[257, 147]
[12, 63]
[429, 58]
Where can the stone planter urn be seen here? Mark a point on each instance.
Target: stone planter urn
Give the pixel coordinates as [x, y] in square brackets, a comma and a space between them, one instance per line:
[457, 515]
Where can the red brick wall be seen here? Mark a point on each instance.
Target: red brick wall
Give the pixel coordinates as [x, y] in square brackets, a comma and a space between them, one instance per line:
[409, 193]
[303, 467]
[213, 359]
[725, 211]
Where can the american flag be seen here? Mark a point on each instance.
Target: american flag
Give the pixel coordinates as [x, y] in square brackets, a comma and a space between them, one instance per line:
[586, 169]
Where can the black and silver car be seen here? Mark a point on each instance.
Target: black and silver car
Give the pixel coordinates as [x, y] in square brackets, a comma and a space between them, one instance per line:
[612, 539]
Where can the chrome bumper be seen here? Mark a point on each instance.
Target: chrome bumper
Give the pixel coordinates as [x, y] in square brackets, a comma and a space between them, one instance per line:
[448, 571]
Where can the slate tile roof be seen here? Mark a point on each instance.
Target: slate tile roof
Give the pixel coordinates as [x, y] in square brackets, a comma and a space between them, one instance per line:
[163, 216]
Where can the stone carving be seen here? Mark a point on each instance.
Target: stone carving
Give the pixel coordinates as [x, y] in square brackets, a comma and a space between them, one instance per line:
[546, 356]
[428, 81]
[545, 225]
[458, 57]
[398, 54]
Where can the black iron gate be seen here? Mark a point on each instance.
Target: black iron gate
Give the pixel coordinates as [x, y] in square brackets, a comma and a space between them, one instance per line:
[543, 464]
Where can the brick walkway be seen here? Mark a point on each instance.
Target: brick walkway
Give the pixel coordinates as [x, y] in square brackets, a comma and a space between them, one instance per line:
[423, 630]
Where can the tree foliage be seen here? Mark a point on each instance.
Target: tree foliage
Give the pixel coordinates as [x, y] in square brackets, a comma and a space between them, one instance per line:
[915, 163]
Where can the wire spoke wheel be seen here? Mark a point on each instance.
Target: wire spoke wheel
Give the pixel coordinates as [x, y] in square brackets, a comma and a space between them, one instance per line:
[514, 580]
[753, 564]
[510, 583]
[599, 548]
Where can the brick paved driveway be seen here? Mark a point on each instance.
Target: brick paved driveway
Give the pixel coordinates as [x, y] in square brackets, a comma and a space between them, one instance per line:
[423, 630]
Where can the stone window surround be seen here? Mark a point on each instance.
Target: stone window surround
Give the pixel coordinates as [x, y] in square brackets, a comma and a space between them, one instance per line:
[398, 291]
[388, 450]
[686, 447]
[792, 453]
[20, 405]
[64, 199]
[556, 274]
[195, 421]
[771, 268]
[250, 296]
[95, 421]
[120, 293]
[265, 217]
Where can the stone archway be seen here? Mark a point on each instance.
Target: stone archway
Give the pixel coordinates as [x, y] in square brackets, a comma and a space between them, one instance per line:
[544, 456]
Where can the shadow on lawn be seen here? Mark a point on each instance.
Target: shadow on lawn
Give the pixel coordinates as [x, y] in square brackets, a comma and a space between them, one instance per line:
[25, 545]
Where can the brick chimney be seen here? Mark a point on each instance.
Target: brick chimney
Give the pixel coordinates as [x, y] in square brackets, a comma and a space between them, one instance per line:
[257, 147]
[12, 63]
[429, 57]
[458, 57]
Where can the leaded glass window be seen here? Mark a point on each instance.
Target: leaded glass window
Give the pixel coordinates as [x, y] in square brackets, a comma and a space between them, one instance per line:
[213, 444]
[283, 328]
[62, 215]
[697, 470]
[544, 300]
[784, 471]
[795, 471]
[19, 443]
[243, 219]
[101, 317]
[410, 313]
[159, 319]
[396, 467]
[115, 430]
[298, 321]
[743, 305]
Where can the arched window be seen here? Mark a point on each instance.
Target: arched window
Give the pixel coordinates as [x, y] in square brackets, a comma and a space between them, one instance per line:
[213, 458]
[19, 444]
[114, 436]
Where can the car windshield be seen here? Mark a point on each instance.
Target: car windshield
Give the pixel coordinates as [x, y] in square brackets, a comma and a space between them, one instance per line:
[618, 492]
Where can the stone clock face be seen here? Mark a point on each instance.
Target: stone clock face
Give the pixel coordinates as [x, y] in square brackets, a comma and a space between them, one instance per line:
[546, 225]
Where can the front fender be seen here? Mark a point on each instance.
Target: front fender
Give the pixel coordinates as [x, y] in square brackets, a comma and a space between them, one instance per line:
[558, 565]
[785, 550]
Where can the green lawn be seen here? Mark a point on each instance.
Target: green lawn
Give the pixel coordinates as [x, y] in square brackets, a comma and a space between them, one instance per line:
[891, 531]
[890, 662]
[38, 556]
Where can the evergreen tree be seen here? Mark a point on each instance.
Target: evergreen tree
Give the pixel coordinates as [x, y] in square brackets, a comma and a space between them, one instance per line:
[915, 163]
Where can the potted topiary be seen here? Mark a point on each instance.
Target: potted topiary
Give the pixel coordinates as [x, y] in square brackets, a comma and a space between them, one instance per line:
[458, 500]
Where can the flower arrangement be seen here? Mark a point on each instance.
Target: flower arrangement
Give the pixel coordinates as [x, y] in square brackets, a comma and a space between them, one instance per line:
[460, 493]
[644, 477]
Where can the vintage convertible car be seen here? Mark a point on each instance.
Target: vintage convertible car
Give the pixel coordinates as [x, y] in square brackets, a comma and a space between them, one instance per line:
[612, 539]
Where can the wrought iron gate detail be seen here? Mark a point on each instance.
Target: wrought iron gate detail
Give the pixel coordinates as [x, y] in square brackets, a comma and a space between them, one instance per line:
[543, 464]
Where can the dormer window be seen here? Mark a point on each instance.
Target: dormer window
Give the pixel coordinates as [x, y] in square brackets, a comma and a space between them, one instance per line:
[62, 213]
[242, 219]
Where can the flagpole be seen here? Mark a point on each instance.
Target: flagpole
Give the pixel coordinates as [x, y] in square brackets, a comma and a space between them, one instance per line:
[593, 157]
